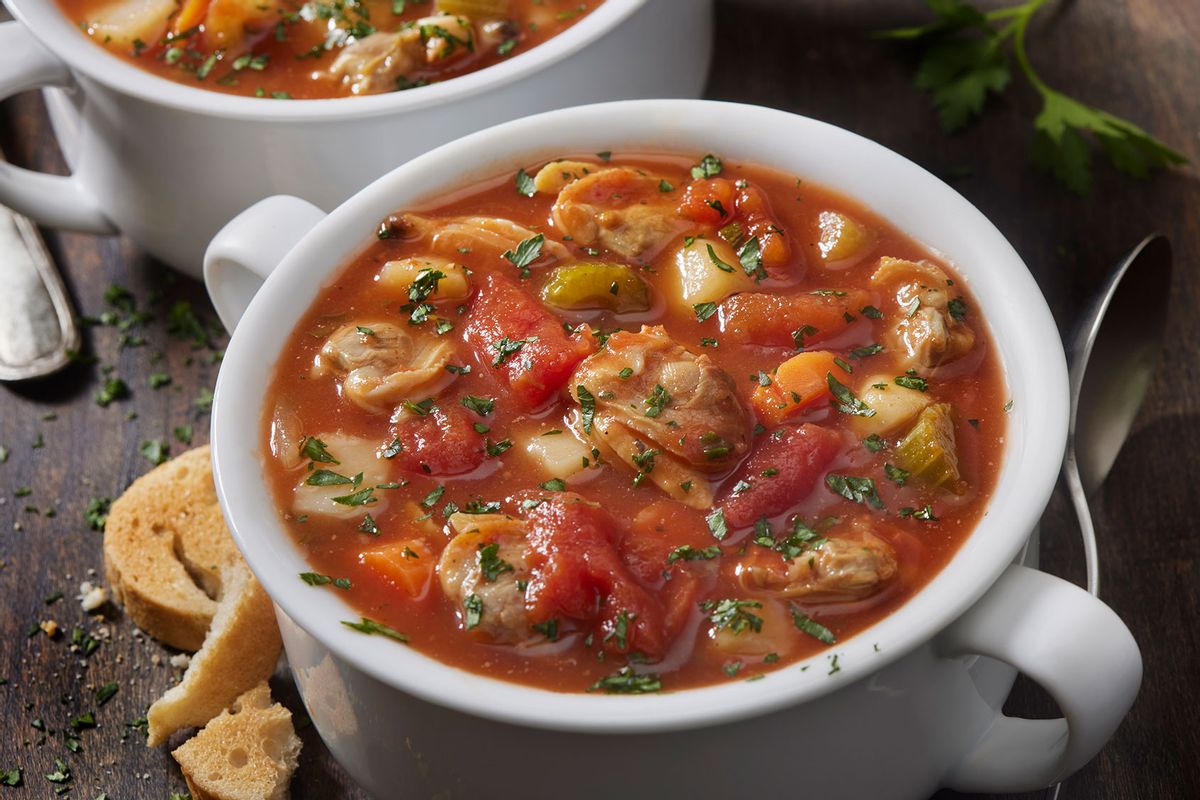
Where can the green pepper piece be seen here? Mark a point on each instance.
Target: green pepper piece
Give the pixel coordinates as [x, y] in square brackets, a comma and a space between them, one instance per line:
[592, 285]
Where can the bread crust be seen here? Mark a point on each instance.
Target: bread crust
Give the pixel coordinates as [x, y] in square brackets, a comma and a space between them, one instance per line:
[164, 546]
[248, 752]
[240, 651]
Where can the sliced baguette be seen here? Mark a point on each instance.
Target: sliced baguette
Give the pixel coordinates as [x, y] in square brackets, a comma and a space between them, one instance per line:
[249, 752]
[239, 653]
[164, 546]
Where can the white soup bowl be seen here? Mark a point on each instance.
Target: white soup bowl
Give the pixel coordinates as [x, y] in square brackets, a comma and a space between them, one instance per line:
[915, 701]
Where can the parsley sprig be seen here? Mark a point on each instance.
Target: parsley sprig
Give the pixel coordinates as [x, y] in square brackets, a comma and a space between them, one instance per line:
[967, 56]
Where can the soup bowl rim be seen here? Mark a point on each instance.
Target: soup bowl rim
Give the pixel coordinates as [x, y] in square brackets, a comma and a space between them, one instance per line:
[1032, 358]
[57, 32]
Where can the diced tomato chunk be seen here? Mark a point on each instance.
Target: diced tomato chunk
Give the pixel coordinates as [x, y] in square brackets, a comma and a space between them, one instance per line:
[441, 442]
[658, 531]
[794, 459]
[579, 574]
[523, 342]
[708, 202]
[797, 385]
[755, 210]
[794, 320]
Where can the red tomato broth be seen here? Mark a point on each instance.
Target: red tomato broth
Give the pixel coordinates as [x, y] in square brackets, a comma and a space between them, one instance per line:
[974, 385]
[293, 66]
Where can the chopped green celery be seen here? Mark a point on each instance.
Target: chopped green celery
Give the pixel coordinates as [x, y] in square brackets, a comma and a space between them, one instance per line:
[596, 285]
[476, 9]
[929, 451]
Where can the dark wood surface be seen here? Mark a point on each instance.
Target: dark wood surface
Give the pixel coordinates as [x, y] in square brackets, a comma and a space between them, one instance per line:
[1132, 57]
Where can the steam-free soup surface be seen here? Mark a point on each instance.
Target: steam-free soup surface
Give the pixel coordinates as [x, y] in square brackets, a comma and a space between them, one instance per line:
[632, 423]
[285, 49]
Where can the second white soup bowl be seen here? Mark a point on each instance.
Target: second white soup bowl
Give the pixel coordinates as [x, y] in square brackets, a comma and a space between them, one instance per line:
[915, 703]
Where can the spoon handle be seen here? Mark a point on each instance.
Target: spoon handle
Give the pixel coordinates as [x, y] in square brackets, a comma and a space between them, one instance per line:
[1083, 513]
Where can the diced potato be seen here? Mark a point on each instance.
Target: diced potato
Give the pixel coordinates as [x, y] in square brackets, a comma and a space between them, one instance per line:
[929, 451]
[558, 455]
[894, 405]
[777, 634]
[596, 285]
[702, 279]
[396, 278]
[842, 238]
[354, 455]
[122, 23]
[796, 385]
[407, 564]
[474, 8]
[232, 25]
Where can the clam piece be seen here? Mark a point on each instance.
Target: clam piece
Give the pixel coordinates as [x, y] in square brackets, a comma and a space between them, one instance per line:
[377, 63]
[381, 364]
[851, 564]
[670, 415]
[121, 23]
[345, 487]
[617, 208]
[480, 570]
[929, 332]
[486, 237]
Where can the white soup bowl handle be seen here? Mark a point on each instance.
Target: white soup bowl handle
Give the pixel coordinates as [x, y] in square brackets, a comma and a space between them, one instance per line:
[54, 200]
[249, 247]
[1071, 644]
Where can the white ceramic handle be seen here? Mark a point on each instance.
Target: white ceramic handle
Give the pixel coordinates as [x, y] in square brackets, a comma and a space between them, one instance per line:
[243, 253]
[1076, 648]
[54, 200]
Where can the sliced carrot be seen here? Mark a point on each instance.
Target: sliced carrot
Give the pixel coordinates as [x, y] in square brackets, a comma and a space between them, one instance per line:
[408, 564]
[797, 385]
[191, 14]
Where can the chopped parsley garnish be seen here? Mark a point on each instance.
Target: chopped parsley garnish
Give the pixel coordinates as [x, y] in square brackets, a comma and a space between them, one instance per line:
[392, 450]
[957, 308]
[587, 405]
[526, 253]
[657, 401]
[472, 611]
[863, 352]
[704, 310]
[106, 692]
[847, 403]
[895, 474]
[686, 552]
[555, 485]
[96, 514]
[716, 260]
[709, 167]
[912, 382]
[806, 624]
[625, 374]
[874, 443]
[664, 186]
[924, 514]
[620, 631]
[317, 579]
[368, 525]
[524, 183]
[156, 451]
[731, 615]
[363, 497]
[505, 348]
[371, 628]
[314, 450]
[750, 257]
[871, 312]
[716, 524]
[860, 490]
[626, 681]
[325, 477]
[495, 449]
[549, 628]
[433, 497]
[800, 334]
[480, 405]
[112, 390]
[491, 565]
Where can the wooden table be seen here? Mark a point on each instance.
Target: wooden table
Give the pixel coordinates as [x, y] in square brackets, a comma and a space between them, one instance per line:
[1131, 57]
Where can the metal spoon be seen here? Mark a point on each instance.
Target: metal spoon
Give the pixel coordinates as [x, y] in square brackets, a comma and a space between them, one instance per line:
[1113, 355]
[37, 328]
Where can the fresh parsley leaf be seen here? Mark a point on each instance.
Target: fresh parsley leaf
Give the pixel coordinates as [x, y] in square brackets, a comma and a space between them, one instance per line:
[716, 260]
[860, 490]
[717, 525]
[524, 183]
[686, 552]
[709, 167]
[472, 611]
[314, 450]
[913, 382]
[526, 252]
[847, 402]
[491, 565]
[658, 400]
[480, 405]
[325, 477]
[704, 310]
[587, 405]
[626, 681]
[731, 615]
[317, 579]
[895, 474]
[806, 624]
[371, 628]
[505, 348]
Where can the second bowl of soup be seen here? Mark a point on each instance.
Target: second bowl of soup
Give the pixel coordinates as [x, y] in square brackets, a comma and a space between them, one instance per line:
[668, 439]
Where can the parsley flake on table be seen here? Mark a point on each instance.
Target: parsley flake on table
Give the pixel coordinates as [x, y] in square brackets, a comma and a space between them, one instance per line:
[156, 451]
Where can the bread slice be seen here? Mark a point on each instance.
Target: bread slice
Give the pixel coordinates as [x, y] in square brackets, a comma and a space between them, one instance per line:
[239, 653]
[164, 546]
[249, 752]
